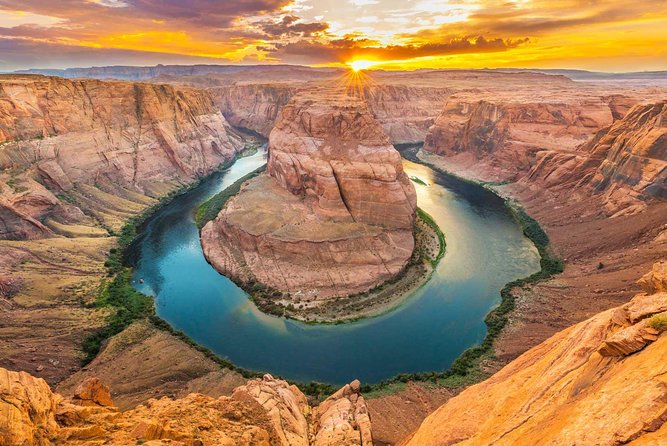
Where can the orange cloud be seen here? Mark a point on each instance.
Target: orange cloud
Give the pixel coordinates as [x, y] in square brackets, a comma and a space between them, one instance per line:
[604, 34]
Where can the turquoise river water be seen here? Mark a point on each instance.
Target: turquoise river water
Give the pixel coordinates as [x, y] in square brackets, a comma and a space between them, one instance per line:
[485, 250]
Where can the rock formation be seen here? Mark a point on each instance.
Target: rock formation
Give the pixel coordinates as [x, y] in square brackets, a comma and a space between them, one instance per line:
[634, 156]
[58, 137]
[599, 382]
[403, 111]
[508, 136]
[265, 411]
[625, 163]
[334, 214]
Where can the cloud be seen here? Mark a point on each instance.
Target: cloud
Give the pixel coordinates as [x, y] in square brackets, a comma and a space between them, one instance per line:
[321, 31]
[291, 25]
[343, 50]
[18, 54]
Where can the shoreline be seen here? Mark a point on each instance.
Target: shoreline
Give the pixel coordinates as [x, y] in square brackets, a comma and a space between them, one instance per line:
[385, 297]
[466, 369]
[459, 374]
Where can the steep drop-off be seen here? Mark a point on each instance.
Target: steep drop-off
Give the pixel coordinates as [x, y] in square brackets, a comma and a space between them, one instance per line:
[77, 159]
[506, 137]
[404, 112]
[635, 155]
[333, 215]
[100, 147]
[602, 381]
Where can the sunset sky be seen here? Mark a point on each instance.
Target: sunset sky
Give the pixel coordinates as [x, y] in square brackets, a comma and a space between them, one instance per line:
[606, 35]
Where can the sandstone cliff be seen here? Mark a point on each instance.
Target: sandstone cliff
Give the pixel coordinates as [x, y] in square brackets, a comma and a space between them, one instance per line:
[403, 111]
[506, 137]
[265, 411]
[255, 106]
[334, 214]
[625, 163]
[81, 144]
[599, 382]
[634, 157]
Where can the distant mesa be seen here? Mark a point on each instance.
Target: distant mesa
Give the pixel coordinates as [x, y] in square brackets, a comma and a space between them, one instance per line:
[332, 216]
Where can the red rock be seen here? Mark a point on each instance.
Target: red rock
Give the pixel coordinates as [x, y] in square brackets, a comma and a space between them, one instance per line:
[333, 216]
[93, 392]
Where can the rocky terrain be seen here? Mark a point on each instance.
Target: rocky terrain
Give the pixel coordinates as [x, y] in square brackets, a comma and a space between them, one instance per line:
[600, 382]
[78, 153]
[264, 411]
[77, 159]
[334, 214]
[625, 162]
[577, 155]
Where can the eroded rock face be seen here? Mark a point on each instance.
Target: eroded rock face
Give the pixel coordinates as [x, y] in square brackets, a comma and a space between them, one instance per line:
[285, 405]
[404, 112]
[599, 382]
[27, 410]
[634, 156]
[263, 412]
[342, 419]
[122, 138]
[334, 214]
[508, 137]
[332, 151]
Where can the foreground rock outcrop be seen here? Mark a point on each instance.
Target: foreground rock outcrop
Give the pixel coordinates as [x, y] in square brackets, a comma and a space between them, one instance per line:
[103, 148]
[602, 382]
[265, 411]
[333, 215]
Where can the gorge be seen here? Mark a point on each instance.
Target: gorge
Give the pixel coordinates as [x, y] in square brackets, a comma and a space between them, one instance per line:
[587, 160]
[334, 214]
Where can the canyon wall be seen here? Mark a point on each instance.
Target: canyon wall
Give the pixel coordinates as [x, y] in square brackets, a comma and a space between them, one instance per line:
[599, 382]
[504, 139]
[625, 163]
[254, 106]
[264, 411]
[72, 146]
[333, 215]
[404, 112]
[634, 159]
[603, 143]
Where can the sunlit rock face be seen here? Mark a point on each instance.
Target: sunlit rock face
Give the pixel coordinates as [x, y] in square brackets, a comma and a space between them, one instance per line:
[65, 138]
[600, 382]
[332, 152]
[505, 138]
[333, 215]
[625, 164]
[634, 157]
[264, 411]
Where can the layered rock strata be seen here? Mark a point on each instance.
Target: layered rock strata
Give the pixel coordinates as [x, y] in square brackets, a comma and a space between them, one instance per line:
[333, 215]
[507, 137]
[599, 382]
[67, 146]
[265, 411]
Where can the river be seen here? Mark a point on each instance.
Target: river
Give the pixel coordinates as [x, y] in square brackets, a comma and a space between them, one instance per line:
[485, 249]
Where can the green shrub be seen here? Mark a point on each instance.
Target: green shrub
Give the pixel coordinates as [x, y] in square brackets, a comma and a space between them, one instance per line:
[658, 322]
[210, 209]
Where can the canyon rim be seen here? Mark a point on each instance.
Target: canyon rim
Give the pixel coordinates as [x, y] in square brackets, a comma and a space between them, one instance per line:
[284, 223]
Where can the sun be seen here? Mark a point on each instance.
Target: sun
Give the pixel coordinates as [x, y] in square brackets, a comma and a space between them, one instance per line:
[358, 65]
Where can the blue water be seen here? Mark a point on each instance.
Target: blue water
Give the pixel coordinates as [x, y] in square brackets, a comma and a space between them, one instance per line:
[485, 250]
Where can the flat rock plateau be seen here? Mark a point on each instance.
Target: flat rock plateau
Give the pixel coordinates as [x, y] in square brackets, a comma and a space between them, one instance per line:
[582, 352]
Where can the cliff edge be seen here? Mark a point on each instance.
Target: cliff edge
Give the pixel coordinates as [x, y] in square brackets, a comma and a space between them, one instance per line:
[334, 214]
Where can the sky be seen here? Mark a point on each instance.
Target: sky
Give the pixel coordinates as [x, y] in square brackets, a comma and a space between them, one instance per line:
[603, 35]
